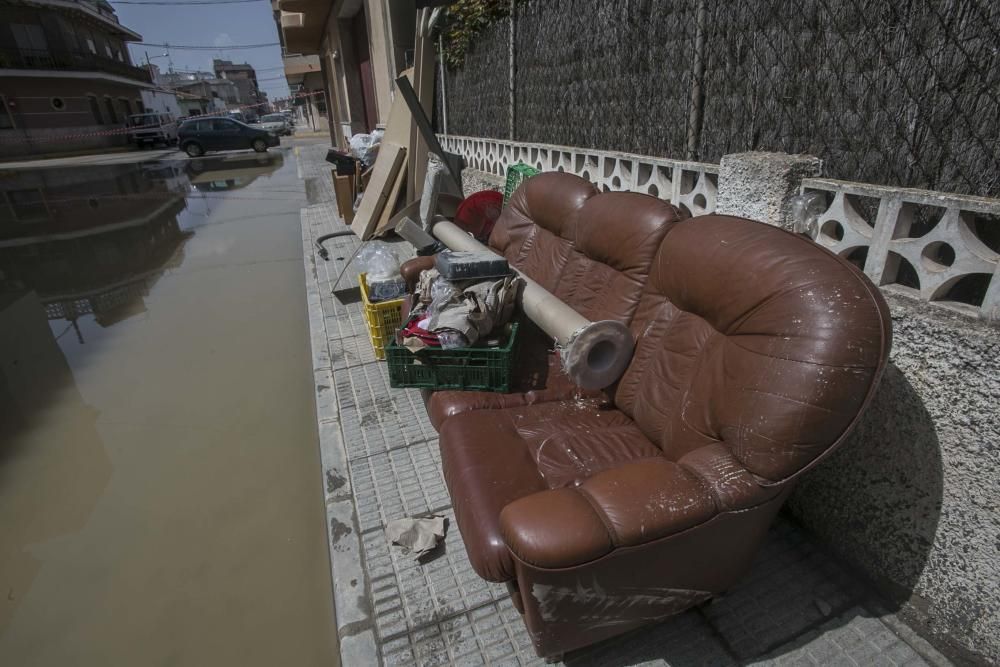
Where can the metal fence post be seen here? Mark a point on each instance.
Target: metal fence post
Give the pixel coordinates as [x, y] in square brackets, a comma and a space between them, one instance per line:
[696, 105]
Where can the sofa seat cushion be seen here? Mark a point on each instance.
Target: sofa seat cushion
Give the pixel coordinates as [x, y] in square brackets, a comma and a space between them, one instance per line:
[574, 439]
[551, 385]
[494, 457]
[537, 377]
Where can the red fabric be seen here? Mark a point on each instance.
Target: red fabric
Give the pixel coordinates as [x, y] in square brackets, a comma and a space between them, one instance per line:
[479, 212]
[411, 330]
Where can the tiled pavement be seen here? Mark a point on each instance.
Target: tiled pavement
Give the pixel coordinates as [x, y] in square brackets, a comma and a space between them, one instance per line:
[380, 459]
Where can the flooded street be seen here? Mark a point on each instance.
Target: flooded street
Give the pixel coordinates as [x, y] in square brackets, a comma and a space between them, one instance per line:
[160, 496]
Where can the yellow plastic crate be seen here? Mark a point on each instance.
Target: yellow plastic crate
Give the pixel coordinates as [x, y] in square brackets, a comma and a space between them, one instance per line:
[383, 318]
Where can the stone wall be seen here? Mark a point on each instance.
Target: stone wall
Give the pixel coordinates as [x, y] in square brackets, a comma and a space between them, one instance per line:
[911, 499]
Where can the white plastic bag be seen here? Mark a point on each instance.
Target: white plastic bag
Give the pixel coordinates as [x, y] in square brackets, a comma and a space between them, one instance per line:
[365, 147]
[378, 260]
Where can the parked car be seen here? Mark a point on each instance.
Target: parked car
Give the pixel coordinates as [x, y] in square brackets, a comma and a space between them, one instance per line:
[151, 129]
[199, 135]
[277, 123]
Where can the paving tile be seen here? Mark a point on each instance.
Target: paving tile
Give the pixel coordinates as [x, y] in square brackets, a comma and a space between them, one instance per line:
[852, 638]
[399, 483]
[685, 639]
[791, 588]
[460, 640]
[409, 595]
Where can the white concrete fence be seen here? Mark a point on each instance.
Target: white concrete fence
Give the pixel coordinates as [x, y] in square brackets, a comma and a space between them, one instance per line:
[763, 186]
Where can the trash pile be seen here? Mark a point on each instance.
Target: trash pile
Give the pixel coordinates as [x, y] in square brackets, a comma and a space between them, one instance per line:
[466, 300]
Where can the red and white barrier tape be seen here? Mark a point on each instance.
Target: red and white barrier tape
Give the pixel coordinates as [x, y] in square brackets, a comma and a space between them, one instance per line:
[126, 130]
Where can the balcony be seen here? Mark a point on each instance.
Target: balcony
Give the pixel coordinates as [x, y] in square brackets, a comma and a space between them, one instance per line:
[297, 66]
[73, 61]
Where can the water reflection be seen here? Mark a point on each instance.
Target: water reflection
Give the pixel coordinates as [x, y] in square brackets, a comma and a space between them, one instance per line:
[93, 241]
[79, 248]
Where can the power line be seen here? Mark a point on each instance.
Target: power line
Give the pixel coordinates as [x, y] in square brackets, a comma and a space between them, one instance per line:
[226, 47]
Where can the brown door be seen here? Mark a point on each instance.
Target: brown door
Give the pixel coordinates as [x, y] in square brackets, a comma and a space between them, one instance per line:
[359, 30]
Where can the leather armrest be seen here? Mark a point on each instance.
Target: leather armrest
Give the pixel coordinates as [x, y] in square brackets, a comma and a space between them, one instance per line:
[632, 504]
[412, 268]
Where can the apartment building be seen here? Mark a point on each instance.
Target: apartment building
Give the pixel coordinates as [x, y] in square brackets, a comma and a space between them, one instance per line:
[359, 46]
[67, 81]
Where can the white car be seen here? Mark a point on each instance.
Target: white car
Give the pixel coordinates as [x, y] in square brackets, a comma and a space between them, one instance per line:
[276, 123]
[151, 129]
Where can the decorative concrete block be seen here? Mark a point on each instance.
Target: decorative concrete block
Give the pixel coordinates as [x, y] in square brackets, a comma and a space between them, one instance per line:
[760, 186]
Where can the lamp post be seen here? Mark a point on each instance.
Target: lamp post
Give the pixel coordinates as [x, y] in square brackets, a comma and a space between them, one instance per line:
[149, 65]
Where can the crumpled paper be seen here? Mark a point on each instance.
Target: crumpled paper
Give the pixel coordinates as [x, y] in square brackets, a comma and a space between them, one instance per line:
[417, 536]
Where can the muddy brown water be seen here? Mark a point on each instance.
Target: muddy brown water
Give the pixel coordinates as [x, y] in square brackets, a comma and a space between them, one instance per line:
[160, 485]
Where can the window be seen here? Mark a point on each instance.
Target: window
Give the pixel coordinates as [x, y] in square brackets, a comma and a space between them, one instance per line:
[91, 46]
[30, 39]
[139, 108]
[126, 107]
[95, 109]
[223, 125]
[27, 205]
[107, 50]
[6, 118]
[110, 108]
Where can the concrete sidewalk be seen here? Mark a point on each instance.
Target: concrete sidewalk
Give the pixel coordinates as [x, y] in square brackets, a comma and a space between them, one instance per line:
[381, 462]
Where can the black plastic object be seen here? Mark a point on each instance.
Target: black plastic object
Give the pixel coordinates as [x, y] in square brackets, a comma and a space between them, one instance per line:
[343, 162]
[465, 265]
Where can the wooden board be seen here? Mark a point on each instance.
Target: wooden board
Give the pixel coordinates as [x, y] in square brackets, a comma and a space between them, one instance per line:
[423, 85]
[382, 227]
[399, 127]
[381, 187]
[343, 186]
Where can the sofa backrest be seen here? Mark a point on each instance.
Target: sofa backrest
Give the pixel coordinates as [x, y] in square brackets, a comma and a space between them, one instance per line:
[754, 339]
[591, 250]
[536, 229]
[617, 237]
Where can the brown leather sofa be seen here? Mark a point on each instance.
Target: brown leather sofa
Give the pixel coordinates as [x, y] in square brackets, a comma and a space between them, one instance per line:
[756, 352]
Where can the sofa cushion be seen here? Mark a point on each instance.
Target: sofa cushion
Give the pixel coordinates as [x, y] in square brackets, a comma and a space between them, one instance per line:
[617, 235]
[775, 370]
[486, 466]
[537, 378]
[536, 229]
[493, 457]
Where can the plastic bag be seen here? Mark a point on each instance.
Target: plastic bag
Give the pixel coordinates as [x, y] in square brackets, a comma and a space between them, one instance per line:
[806, 208]
[365, 147]
[451, 340]
[378, 260]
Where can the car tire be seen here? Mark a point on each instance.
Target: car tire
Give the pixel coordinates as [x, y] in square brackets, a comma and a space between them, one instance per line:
[259, 145]
[193, 149]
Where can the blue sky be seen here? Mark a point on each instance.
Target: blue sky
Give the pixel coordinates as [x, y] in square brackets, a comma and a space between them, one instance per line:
[213, 25]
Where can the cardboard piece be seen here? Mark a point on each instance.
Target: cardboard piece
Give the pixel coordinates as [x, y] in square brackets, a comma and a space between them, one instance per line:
[382, 192]
[343, 187]
[447, 205]
[382, 186]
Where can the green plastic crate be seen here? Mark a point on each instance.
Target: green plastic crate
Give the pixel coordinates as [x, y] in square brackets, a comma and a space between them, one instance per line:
[516, 174]
[474, 368]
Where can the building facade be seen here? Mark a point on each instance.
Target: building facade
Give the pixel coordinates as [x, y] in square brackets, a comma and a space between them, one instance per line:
[360, 47]
[67, 81]
[244, 77]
